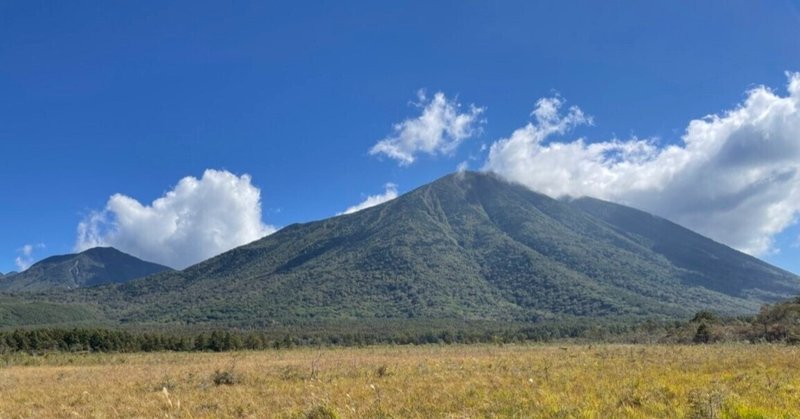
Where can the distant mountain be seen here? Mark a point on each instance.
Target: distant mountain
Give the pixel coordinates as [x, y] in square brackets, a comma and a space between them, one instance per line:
[468, 246]
[100, 265]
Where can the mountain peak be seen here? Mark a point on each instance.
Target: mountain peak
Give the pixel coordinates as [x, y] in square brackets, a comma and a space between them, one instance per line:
[468, 178]
[95, 266]
[102, 250]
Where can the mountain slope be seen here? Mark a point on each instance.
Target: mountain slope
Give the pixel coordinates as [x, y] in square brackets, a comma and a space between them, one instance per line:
[100, 265]
[710, 264]
[469, 246]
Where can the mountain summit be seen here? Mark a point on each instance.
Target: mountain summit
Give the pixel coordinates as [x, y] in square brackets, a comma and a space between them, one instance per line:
[468, 246]
[100, 265]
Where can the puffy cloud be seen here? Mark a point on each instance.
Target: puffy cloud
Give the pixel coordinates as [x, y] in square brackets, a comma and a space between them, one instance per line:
[440, 129]
[389, 193]
[25, 258]
[734, 177]
[197, 219]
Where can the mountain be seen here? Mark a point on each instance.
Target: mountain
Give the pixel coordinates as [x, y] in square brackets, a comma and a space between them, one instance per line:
[468, 246]
[100, 265]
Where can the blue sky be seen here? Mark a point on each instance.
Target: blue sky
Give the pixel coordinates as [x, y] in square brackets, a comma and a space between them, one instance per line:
[105, 98]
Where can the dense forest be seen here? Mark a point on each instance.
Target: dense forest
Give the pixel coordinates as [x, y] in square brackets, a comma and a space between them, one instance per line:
[774, 323]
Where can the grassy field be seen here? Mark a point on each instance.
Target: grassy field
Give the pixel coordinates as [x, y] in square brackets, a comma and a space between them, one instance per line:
[747, 381]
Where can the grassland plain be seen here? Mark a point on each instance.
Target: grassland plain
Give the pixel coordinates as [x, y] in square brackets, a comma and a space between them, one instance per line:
[597, 381]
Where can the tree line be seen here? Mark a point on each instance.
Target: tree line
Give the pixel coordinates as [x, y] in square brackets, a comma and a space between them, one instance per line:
[111, 340]
[774, 323]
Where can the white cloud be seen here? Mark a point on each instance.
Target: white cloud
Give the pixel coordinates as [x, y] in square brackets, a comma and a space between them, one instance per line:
[25, 258]
[440, 129]
[734, 177]
[389, 193]
[197, 219]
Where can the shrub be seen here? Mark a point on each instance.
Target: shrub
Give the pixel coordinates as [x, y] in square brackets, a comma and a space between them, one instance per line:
[225, 378]
[382, 371]
[706, 404]
[703, 334]
[322, 412]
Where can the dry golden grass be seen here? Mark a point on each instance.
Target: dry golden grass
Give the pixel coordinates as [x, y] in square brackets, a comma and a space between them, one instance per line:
[747, 381]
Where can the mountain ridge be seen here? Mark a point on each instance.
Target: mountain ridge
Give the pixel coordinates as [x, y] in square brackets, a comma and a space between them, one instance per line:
[92, 267]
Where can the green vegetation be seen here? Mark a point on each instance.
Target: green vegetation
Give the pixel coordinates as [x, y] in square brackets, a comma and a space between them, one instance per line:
[15, 313]
[45, 340]
[780, 322]
[775, 323]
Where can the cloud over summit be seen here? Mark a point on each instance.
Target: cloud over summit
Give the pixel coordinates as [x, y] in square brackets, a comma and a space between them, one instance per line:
[197, 219]
[735, 176]
[440, 129]
[389, 193]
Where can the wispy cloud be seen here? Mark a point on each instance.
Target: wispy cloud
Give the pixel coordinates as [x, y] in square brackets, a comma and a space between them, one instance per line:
[25, 258]
[389, 193]
[439, 129]
[735, 176]
[197, 219]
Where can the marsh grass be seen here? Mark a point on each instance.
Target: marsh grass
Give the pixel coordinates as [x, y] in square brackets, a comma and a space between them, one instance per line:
[701, 381]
